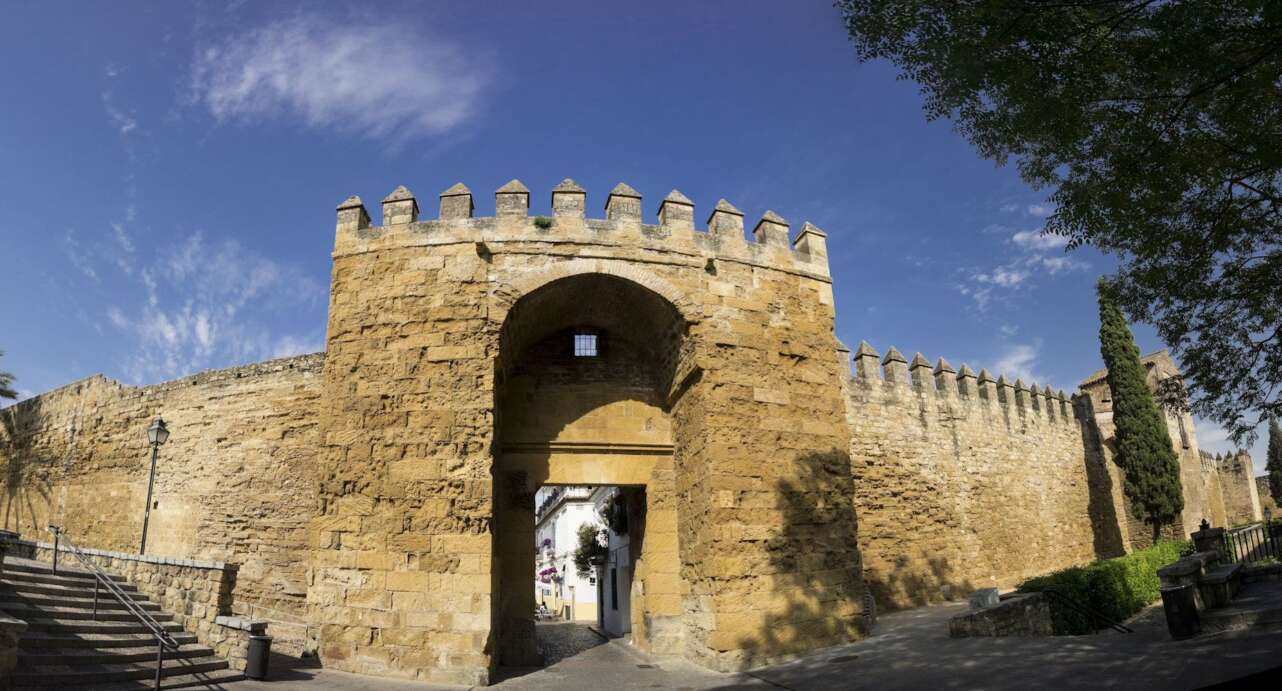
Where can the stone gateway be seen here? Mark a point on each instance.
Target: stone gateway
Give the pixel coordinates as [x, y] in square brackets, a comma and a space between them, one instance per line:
[379, 496]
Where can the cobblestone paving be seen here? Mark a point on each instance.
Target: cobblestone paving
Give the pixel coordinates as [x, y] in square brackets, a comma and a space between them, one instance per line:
[559, 640]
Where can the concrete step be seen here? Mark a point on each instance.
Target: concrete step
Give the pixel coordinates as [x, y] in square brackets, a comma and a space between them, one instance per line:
[1241, 618]
[98, 656]
[48, 625]
[9, 597]
[91, 676]
[46, 641]
[25, 612]
[27, 587]
[65, 568]
[18, 578]
[67, 646]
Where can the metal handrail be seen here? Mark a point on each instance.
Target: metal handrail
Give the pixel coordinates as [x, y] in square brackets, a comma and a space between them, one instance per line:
[1083, 609]
[163, 638]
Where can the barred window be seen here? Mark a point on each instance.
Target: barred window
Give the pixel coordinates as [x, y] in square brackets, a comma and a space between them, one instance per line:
[585, 344]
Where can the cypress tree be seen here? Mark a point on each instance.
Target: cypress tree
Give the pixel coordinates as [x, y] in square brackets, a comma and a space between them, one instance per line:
[1150, 468]
[1274, 464]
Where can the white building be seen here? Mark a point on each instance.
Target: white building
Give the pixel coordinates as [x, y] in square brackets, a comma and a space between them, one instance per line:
[614, 581]
[558, 513]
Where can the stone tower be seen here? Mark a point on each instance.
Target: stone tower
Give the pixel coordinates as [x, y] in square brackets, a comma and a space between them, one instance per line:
[454, 388]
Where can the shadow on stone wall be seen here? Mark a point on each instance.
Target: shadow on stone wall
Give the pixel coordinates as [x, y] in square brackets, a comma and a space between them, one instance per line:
[815, 561]
[26, 473]
[908, 585]
[1105, 527]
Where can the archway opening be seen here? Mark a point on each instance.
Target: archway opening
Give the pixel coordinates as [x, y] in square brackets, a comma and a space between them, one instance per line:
[584, 374]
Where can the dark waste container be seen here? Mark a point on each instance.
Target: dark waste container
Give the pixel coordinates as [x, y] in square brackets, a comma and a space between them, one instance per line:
[260, 647]
[1180, 604]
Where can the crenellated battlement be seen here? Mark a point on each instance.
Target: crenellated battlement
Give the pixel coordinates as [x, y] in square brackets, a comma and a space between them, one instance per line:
[771, 244]
[940, 380]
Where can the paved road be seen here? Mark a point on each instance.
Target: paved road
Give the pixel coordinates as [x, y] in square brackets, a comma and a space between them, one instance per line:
[910, 650]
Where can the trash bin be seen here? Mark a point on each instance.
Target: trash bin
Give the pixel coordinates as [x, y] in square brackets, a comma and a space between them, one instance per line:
[1180, 604]
[260, 648]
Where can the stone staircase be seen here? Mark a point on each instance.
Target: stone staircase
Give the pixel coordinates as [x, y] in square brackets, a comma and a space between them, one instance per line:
[64, 646]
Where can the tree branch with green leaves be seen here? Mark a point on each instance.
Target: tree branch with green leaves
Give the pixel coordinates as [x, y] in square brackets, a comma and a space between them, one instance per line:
[1156, 129]
[6, 383]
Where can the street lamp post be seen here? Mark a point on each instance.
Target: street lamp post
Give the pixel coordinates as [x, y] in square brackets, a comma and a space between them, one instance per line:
[157, 434]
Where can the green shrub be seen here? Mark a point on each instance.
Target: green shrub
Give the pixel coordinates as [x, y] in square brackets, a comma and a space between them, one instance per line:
[542, 222]
[1115, 588]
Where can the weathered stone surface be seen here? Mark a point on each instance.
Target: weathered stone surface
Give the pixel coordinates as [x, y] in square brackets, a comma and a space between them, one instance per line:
[1018, 615]
[234, 483]
[987, 484]
[1267, 505]
[984, 598]
[957, 492]
[1242, 501]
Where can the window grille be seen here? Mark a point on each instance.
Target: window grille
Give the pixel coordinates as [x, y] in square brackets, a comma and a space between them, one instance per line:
[585, 345]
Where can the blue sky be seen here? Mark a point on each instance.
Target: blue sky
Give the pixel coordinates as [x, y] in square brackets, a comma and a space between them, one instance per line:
[171, 170]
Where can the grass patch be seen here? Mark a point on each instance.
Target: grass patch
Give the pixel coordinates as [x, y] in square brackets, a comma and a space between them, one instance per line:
[542, 222]
[1115, 588]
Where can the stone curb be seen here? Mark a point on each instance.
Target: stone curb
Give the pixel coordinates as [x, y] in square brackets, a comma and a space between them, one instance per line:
[145, 558]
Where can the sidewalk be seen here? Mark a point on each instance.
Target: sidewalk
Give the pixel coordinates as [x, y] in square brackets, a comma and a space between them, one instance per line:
[909, 650]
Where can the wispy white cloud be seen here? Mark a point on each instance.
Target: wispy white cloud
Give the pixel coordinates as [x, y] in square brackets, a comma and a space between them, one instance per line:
[1040, 210]
[1057, 264]
[211, 304]
[123, 122]
[1004, 276]
[1034, 253]
[78, 257]
[117, 317]
[1019, 361]
[382, 80]
[1036, 241]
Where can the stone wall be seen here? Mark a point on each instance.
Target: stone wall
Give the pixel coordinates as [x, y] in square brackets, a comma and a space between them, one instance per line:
[1025, 615]
[1266, 497]
[962, 481]
[233, 483]
[1213, 489]
[1242, 501]
[965, 481]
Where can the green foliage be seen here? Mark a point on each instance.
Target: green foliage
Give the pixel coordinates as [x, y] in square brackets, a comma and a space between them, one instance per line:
[6, 383]
[592, 549]
[1274, 464]
[1157, 127]
[1150, 468]
[542, 222]
[1116, 588]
